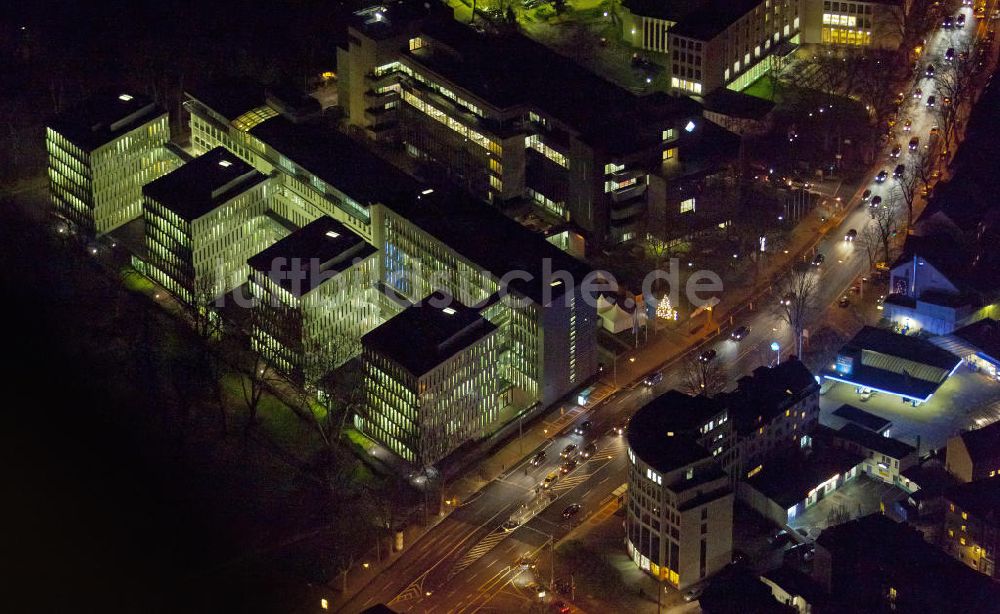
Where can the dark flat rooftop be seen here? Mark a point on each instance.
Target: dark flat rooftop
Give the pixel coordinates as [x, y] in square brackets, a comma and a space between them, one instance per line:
[893, 448]
[663, 432]
[425, 335]
[983, 335]
[768, 392]
[788, 478]
[737, 104]
[102, 118]
[230, 98]
[491, 240]
[204, 183]
[663, 452]
[320, 249]
[860, 416]
[983, 444]
[333, 157]
[711, 19]
[669, 11]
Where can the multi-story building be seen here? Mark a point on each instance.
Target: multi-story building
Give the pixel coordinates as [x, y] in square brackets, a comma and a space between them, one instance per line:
[730, 43]
[770, 411]
[679, 514]
[431, 380]
[491, 114]
[885, 458]
[875, 24]
[974, 455]
[874, 564]
[316, 294]
[203, 221]
[101, 152]
[972, 525]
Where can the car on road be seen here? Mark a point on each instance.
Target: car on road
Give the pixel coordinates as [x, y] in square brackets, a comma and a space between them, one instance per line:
[526, 562]
[739, 333]
[559, 607]
[693, 594]
[914, 143]
[707, 356]
[844, 302]
[509, 525]
[876, 201]
[929, 71]
[898, 172]
[653, 379]
[584, 427]
[851, 235]
[898, 149]
[568, 450]
[571, 510]
[882, 176]
[908, 125]
[949, 55]
[934, 130]
[960, 20]
[818, 259]
[866, 195]
[589, 450]
[948, 23]
[569, 465]
[538, 459]
[918, 93]
[931, 101]
[550, 479]
[619, 428]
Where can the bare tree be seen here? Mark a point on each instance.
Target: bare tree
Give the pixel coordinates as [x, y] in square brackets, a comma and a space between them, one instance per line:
[884, 223]
[906, 187]
[955, 84]
[253, 385]
[205, 318]
[797, 306]
[703, 376]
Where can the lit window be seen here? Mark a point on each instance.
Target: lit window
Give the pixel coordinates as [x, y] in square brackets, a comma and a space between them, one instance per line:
[965, 516]
[951, 532]
[687, 205]
[961, 540]
[416, 43]
[670, 154]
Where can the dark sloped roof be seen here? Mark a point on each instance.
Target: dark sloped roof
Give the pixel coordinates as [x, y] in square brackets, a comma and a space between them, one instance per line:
[336, 159]
[904, 346]
[736, 590]
[768, 392]
[983, 444]
[102, 118]
[980, 498]
[796, 583]
[983, 335]
[860, 416]
[320, 249]
[199, 186]
[893, 448]
[425, 335]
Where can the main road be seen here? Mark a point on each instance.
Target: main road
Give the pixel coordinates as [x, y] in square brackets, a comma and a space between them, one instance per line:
[471, 556]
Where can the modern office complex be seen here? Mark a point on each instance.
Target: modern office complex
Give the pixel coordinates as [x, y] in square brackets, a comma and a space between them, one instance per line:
[852, 23]
[203, 221]
[431, 378]
[316, 294]
[490, 113]
[101, 153]
[679, 518]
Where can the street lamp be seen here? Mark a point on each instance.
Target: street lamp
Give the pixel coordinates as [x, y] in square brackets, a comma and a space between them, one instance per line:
[777, 350]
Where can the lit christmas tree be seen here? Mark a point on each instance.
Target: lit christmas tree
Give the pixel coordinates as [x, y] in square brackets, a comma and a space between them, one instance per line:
[664, 310]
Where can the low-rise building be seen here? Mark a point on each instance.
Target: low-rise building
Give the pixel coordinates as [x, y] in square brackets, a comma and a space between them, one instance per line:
[679, 518]
[974, 455]
[100, 153]
[874, 564]
[203, 221]
[794, 588]
[316, 294]
[885, 458]
[878, 360]
[972, 525]
[431, 380]
[978, 344]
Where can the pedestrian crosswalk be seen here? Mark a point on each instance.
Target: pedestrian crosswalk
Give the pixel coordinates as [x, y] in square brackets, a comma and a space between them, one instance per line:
[476, 552]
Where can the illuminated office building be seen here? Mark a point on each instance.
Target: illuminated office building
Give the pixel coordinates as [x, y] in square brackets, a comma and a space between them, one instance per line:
[316, 294]
[100, 153]
[203, 221]
[855, 23]
[431, 380]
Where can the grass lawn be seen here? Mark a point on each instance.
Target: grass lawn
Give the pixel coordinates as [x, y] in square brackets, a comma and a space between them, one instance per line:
[763, 88]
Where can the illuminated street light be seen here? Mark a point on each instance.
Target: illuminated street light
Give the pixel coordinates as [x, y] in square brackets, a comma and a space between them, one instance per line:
[777, 350]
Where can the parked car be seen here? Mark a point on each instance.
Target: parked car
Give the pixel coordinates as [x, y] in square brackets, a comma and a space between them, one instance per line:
[653, 379]
[914, 143]
[740, 333]
[779, 539]
[707, 356]
[571, 510]
[960, 20]
[509, 525]
[931, 101]
[843, 302]
[584, 427]
[851, 235]
[568, 450]
[538, 459]
[882, 176]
